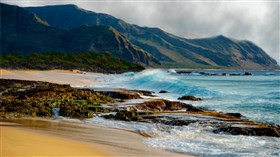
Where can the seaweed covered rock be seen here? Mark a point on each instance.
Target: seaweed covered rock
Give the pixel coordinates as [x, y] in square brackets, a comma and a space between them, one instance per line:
[125, 116]
[121, 94]
[124, 94]
[36, 98]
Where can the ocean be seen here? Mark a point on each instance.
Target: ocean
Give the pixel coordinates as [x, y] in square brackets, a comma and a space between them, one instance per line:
[256, 96]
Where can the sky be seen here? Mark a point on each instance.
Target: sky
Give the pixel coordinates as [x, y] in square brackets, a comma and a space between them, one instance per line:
[254, 20]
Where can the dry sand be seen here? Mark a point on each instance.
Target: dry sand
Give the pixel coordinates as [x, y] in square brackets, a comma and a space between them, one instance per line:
[75, 78]
[41, 137]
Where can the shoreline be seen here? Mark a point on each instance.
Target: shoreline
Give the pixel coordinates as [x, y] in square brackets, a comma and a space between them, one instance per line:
[87, 140]
[122, 144]
[118, 142]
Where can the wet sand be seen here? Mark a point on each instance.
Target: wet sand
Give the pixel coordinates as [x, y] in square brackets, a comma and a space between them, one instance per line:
[41, 137]
[21, 142]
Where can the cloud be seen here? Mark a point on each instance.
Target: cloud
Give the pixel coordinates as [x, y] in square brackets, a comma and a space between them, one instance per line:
[257, 21]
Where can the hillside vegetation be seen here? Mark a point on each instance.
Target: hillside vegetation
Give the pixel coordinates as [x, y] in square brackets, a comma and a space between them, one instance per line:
[87, 61]
[24, 32]
[171, 50]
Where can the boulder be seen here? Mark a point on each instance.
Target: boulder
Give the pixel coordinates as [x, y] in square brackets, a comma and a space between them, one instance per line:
[189, 97]
[163, 91]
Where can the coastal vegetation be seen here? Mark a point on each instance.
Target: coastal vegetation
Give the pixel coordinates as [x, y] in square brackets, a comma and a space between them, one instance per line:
[86, 61]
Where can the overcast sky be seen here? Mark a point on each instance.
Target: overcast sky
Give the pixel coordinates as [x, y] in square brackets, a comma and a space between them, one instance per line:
[254, 20]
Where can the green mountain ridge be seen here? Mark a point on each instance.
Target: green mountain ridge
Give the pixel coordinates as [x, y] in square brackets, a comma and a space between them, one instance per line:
[171, 50]
[25, 32]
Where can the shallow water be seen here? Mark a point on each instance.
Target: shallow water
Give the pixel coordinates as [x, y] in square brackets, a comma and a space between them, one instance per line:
[256, 97]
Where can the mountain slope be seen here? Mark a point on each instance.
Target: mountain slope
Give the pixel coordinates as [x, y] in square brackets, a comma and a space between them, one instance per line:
[24, 32]
[171, 50]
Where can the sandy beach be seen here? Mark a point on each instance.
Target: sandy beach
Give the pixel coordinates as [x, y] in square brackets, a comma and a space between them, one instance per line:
[24, 142]
[42, 137]
[74, 78]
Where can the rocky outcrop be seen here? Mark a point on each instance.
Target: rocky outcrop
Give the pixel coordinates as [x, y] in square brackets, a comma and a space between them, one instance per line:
[125, 116]
[124, 94]
[270, 130]
[35, 98]
[121, 94]
[168, 120]
[160, 105]
[189, 97]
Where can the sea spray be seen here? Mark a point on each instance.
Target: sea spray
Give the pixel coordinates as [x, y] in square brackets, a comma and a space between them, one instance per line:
[197, 139]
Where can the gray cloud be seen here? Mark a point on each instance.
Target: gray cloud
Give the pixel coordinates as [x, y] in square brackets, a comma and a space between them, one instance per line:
[257, 21]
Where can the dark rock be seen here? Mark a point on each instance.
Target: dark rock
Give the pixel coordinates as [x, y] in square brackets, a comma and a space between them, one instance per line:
[125, 116]
[189, 97]
[121, 94]
[183, 72]
[214, 74]
[125, 94]
[163, 91]
[203, 73]
[234, 74]
[271, 130]
[237, 115]
[247, 74]
[193, 108]
[224, 74]
[174, 122]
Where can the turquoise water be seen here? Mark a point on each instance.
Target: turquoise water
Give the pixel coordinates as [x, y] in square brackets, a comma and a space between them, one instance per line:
[257, 97]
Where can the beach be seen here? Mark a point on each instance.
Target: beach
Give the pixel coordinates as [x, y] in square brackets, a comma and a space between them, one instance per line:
[232, 112]
[26, 142]
[47, 137]
[41, 137]
[72, 77]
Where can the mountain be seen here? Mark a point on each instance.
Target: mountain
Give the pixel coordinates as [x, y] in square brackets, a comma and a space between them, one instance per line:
[24, 32]
[171, 50]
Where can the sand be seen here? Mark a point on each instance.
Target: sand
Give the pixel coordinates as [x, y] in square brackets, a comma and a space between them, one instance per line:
[75, 77]
[41, 137]
[20, 142]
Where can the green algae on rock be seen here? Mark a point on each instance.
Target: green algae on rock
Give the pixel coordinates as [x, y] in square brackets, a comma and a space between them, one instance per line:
[35, 98]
